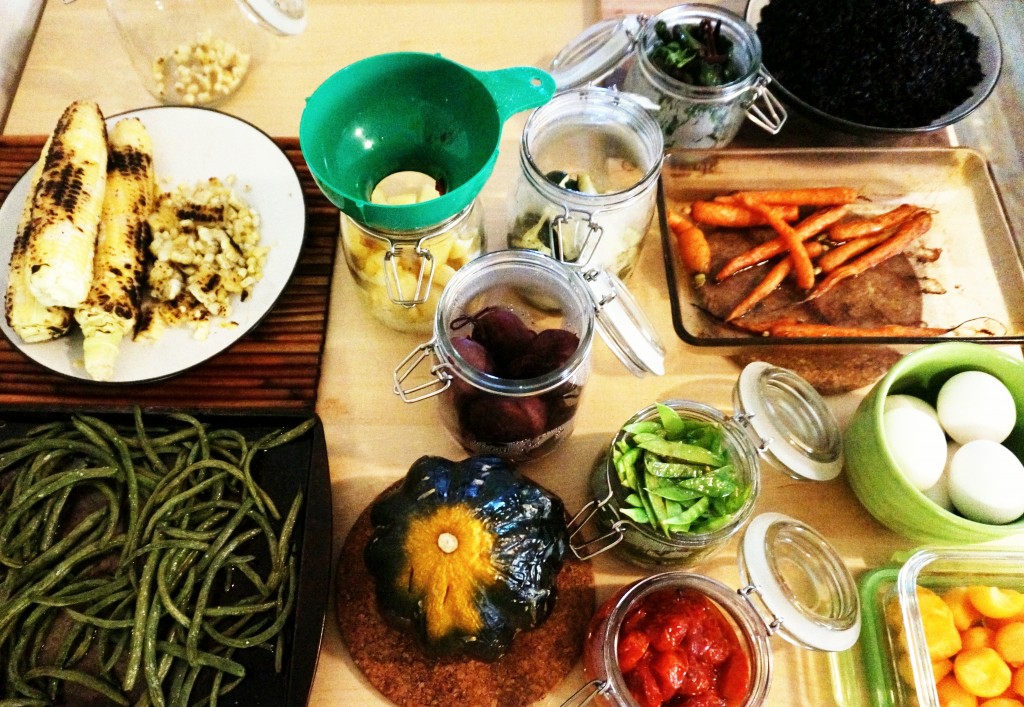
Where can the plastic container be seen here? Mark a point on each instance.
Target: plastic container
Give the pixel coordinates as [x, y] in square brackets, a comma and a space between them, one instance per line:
[778, 416]
[485, 409]
[587, 189]
[897, 666]
[615, 53]
[400, 274]
[198, 52]
[794, 585]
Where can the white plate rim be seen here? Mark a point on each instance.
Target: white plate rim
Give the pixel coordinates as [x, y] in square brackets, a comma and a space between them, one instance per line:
[189, 144]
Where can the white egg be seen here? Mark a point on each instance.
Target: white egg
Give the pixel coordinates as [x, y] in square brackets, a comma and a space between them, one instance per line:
[986, 482]
[917, 445]
[976, 405]
[938, 492]
[902, 400]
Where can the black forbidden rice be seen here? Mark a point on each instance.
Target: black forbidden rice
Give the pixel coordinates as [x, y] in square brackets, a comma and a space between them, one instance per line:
[885, 63]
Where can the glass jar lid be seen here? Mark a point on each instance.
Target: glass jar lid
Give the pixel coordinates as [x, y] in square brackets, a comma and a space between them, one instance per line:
[801, 581]
[797, 430]
[596, 52]
[282, 16]
[622, 323]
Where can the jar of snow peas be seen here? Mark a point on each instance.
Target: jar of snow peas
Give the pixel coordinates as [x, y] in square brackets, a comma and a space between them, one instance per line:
[680, 478]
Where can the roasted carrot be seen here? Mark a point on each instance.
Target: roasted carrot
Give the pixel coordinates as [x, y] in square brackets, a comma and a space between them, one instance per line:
[803, 270]
[771, 281]
[842, 253]
[910, 231]
[815, 196]
[714, 213]
[858, 228]
[693, 244]
[808, 228]
[794, 328]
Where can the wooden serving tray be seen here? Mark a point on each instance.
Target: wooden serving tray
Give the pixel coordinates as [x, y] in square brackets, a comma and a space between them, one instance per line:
[274, 368]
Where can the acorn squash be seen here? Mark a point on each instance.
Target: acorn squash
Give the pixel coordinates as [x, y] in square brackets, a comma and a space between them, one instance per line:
[466, 554]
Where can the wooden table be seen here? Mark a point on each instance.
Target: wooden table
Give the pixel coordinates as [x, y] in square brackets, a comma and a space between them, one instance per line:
[372, 435]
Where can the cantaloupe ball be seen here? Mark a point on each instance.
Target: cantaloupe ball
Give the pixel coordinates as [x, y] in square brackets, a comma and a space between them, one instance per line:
[978, 637]
[996, 602]
[982, 672]
[1009, 643]
[965, 614]
[952, 694]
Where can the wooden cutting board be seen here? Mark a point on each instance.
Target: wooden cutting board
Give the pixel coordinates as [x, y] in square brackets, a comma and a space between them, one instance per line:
[274, 368]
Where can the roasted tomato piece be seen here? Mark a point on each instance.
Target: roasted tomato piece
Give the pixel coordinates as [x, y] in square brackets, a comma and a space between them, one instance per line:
[644, 686]
[670, 669]
[632, 647]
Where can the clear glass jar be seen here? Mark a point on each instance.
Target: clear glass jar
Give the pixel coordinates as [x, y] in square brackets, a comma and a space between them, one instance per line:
[590, 161]
[400, 274]
[615, 53]
[198, 52]
[705, 116]
[794, 584]
[484, 403]
[778, 416]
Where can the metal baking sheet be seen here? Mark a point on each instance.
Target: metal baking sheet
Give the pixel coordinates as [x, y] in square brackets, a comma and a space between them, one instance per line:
[975, 282]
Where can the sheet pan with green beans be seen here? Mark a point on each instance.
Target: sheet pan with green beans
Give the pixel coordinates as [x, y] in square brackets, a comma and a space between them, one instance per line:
[138, 561]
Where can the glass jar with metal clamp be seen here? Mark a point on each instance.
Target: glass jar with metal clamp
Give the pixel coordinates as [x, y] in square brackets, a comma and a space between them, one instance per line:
[400, 274]
[794, 585]
[778, 417]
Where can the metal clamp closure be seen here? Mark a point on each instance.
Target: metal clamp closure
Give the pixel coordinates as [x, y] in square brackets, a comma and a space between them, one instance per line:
[771, 625]
[588, 549]
[743, 420]
[765, 110]
[586, 693]
[440, 378]
[424, 277]
[579, 252]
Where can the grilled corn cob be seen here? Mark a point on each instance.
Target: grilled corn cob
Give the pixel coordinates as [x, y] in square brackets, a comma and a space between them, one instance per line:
[111, 309]
[66, 208]
[31, 320]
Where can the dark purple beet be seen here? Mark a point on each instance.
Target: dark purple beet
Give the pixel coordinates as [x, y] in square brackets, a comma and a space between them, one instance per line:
[502, 333]
[548, 351]
[473, 353]
[493, 419]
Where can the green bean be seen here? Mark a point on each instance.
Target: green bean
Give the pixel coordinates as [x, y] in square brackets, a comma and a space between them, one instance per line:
[93, 683]
[176, 504]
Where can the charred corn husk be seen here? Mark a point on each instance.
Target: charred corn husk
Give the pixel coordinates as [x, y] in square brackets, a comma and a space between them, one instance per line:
[111, 309]
[66, 208]
[30, 319]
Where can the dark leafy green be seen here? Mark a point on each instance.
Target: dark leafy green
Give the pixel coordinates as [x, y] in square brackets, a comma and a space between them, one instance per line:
[696, 54]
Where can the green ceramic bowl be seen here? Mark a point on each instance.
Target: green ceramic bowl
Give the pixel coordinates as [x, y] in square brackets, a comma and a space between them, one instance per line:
[873, 474]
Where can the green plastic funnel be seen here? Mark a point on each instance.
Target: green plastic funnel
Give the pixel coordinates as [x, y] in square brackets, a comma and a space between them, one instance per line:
[413, 112]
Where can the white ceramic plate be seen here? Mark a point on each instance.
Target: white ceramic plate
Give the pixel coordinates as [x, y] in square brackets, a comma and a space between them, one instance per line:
[190, 145]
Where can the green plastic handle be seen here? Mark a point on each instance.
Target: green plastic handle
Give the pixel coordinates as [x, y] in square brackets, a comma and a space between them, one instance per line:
[517, 88]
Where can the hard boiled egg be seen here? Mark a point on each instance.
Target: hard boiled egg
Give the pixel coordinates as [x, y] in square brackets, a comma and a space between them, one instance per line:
[976, 405]
[938, 492]
[986, 482]
[902, 400]
[917, 445]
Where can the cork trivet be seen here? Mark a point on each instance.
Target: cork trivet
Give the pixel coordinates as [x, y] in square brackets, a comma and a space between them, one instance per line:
[391, 661]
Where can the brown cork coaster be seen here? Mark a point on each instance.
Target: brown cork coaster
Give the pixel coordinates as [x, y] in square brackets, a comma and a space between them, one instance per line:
[394, 665]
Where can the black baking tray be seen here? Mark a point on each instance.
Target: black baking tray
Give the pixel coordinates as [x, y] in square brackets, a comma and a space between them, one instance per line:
[300, 465]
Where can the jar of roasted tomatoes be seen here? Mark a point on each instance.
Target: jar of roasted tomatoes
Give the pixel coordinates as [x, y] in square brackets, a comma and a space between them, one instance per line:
[680, 478]
[590, 160]
[511, 350]
[676, 635]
